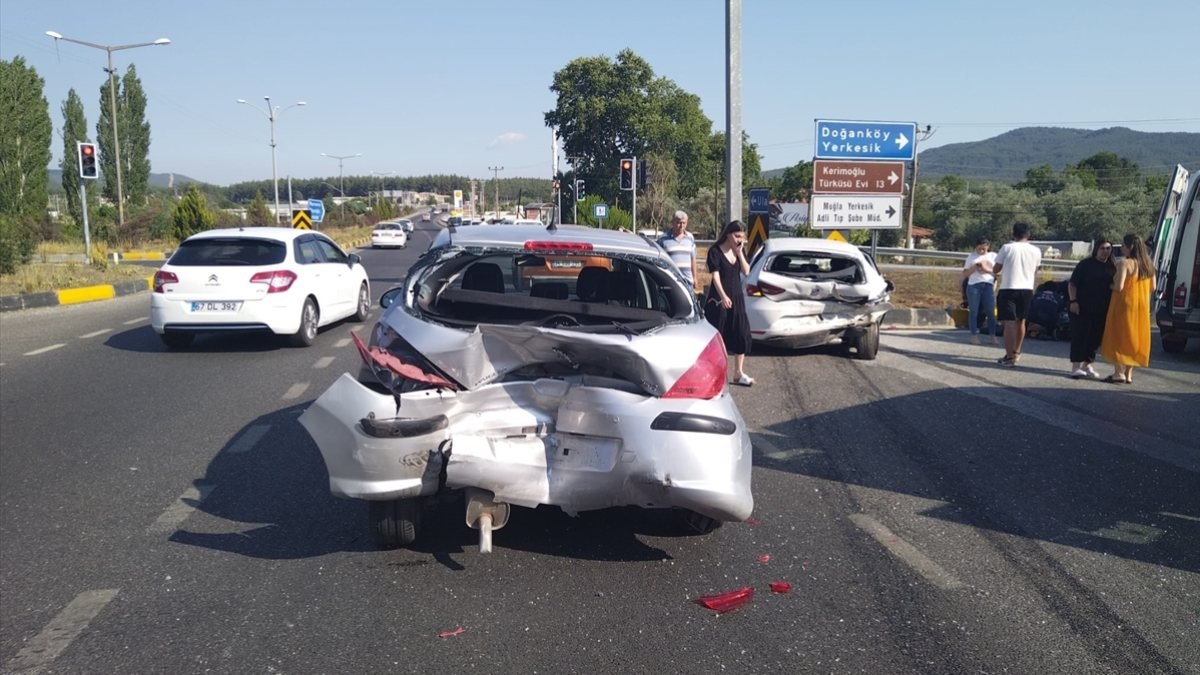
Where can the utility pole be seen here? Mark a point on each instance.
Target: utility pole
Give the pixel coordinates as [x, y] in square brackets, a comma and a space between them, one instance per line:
[733, 109]
[575, 191]
[922, 134]
[496, 174]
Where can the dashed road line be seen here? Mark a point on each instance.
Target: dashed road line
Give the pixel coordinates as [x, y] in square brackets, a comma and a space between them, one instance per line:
[177, 512]
[342, 343]
[60, 632]
[295, 391]
[1161, 513]
[323, 362]
[43, 350]
[906, 552]
[133, 321]
[95, 333]
[249, 439]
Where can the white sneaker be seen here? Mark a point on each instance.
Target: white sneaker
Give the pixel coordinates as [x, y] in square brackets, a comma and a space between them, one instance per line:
[1078, 373]
[1091, 372]
[744, 380]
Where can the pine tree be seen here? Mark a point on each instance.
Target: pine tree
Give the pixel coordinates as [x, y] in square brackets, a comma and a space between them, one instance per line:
[135, 138]
[74, 131]
[257, 213]
[25, 130]
[191, 214]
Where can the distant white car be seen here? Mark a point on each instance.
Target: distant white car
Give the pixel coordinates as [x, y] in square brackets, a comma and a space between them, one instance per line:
[406, 224]
[808, 292]
[389, 234]
[282, 280]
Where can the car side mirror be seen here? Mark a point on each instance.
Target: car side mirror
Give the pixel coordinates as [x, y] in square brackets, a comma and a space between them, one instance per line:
[890, 286]
[353, 260]
[390, 296]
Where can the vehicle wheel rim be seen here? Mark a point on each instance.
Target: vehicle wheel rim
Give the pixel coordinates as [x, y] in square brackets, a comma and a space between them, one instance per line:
[364, 305]
[310, 320]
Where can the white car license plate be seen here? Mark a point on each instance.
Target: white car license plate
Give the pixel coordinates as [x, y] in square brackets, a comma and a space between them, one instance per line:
[217, 306]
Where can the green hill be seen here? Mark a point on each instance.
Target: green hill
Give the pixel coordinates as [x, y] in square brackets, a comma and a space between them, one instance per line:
[1008, 156]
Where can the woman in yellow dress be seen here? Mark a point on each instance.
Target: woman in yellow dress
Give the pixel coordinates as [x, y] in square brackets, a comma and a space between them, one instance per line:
[1126, 341]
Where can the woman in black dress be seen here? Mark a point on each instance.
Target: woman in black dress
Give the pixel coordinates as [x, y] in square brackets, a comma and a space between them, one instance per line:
[1089, 291]
[725, 301]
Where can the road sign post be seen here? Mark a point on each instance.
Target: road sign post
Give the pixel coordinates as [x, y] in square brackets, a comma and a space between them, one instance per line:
[600, 211]
[853, 212]
[760, 219]
[317, 208]
[858, 177]
[841, 139]
[302, 220]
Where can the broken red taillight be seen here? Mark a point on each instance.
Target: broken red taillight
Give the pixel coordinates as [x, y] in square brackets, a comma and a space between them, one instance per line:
[725, 602]
[762, 288]
[277, 281]
[557, 246]
[162, 278]
[706, 377]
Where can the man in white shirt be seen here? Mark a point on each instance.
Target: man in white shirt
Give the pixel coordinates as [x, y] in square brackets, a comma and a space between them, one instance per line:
[1016, 265]
[681, 246]
[981, 289]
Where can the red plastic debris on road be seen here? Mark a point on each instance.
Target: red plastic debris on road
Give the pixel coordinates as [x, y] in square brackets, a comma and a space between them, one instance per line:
[752, 521]
[764, 558]
[452, 633]
[725, 602]
[781, 587]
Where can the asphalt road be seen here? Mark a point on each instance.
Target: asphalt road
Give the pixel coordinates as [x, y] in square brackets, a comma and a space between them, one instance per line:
[933, 513]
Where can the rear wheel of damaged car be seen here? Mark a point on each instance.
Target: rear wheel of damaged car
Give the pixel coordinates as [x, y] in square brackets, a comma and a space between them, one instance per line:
[696, 523]
[395, 523]
[867, 345]
[310, 316]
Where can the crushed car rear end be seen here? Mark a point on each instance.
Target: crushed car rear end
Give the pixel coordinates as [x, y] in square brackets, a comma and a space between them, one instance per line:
[600, 390]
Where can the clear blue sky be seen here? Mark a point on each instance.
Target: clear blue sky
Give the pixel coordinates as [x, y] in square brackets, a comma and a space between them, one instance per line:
[455, 87]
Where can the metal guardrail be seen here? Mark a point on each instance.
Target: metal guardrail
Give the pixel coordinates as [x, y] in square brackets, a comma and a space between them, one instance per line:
[956, 256]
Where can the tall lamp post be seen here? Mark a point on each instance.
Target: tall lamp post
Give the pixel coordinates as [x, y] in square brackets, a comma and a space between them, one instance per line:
[272, 114]
[341, 180]
[112, 104]
[381, 174]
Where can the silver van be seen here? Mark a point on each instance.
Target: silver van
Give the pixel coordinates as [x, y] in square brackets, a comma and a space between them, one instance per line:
[1176, 245]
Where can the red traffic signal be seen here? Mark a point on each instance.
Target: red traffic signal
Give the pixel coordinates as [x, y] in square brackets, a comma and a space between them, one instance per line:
[87, 160]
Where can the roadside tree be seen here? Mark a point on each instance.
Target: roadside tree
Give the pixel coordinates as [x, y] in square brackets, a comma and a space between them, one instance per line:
[74, 131]
[191, 214]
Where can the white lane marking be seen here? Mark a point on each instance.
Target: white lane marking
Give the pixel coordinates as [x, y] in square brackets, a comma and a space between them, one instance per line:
[133, 321]
[43, 350]
[60, 632]
[342, 343]
[95, 333]
[249, 439]
[295, 391]
[177, 512]
[772, 451]
[323, 362]
[1161, 513]
[906, 552]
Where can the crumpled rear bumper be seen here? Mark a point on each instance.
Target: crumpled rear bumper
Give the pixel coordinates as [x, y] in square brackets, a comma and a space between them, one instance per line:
[574, 444]
[777, 324]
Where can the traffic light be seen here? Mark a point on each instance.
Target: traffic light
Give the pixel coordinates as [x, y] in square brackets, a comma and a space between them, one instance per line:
[627, 174]
[557, 185]
[579, 189]
[643, 176]
[87, 160]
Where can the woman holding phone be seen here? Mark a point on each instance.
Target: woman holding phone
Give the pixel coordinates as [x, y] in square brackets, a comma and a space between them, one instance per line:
[725, 301]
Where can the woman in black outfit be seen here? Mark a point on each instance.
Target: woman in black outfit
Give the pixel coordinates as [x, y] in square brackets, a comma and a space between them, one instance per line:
[1088, 294]
[725, 301]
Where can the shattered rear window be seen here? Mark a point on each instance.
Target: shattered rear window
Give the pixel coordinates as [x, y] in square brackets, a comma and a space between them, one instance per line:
[816, 266]
[586, 290]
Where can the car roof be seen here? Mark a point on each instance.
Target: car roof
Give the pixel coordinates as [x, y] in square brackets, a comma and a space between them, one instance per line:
[777, 244]
[284, 234]
[612, 241]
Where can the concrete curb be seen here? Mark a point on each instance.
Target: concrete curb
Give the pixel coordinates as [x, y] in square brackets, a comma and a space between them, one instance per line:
[917, 318]
[73, 296]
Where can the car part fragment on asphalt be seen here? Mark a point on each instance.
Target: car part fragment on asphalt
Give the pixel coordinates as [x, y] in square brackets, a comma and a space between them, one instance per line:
[781, 587]
[726, 602]
[452, 633]
[764, 558]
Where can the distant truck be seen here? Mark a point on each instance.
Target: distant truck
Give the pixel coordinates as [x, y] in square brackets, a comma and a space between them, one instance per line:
[1176, 244]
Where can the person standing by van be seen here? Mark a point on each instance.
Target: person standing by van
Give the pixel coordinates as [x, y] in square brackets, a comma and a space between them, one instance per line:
[981, 289]
[1088, 293]
[1126, 342]
[1016, 265]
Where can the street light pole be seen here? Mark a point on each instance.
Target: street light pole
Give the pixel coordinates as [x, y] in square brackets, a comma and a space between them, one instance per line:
[112, 105]
[272, 115]
[496, 172]
[341, 180]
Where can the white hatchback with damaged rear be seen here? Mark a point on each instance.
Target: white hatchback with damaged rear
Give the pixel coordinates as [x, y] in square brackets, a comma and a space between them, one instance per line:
[285, 281]
[602, 386]
[804, 292]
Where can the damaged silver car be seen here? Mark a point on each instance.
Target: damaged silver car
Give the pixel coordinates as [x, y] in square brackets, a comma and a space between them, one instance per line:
[527, 365]
[810, 292]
